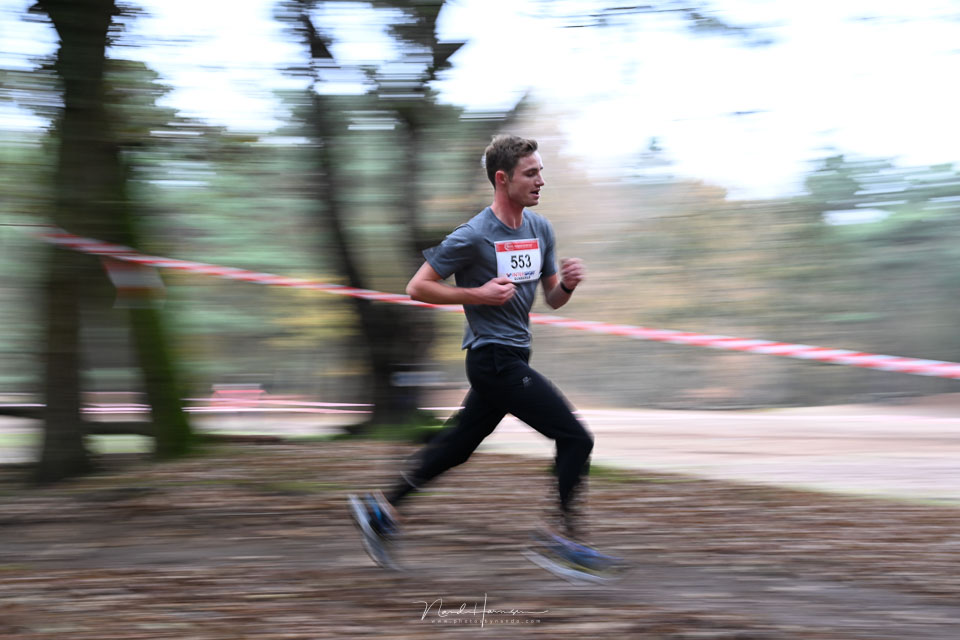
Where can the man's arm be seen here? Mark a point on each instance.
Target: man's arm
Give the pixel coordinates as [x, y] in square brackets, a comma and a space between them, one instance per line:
[571, 274]
[427, 286]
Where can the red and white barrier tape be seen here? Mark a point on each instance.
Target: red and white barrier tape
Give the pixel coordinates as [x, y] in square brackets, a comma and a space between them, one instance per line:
[119, 252]
[914, 366]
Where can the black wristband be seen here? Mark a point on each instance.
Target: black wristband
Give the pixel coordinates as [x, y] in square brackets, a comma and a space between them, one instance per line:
[564, 287]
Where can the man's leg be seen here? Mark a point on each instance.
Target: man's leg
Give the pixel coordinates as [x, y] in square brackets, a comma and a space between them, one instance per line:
[375, 514]
[540, 405]
[532, 398]
[452, 446]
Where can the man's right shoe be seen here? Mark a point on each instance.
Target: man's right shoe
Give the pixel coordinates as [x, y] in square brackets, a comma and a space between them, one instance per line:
[573, 561]
[379, 527]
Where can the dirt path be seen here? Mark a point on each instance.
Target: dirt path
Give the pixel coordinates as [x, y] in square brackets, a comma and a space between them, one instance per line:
[253, 541]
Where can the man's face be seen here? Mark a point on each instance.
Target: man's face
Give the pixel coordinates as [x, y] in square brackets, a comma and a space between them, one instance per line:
[523, 186]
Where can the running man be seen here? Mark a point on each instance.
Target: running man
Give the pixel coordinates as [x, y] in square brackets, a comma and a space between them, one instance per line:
[497, 258]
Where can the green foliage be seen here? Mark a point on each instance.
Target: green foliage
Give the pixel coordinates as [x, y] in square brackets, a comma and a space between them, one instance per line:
[612, 474]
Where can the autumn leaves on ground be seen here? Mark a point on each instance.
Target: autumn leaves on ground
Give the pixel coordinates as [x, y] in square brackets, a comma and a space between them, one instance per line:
[253, 541]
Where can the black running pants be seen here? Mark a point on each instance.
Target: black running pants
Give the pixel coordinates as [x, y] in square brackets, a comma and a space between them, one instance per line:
[502, 382]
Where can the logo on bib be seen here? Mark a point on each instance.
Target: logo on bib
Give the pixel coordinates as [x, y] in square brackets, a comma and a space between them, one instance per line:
[519, 260]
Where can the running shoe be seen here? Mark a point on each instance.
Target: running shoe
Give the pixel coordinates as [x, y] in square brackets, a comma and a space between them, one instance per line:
[379, 527]
[573, 561]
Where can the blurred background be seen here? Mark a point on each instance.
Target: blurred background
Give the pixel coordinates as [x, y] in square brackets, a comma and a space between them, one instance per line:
[776, 170]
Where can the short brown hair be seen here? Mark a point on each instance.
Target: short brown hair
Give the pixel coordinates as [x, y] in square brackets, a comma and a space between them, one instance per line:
[503, 154]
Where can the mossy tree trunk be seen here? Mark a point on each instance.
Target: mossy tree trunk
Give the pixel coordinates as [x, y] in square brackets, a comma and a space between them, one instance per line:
[91, 200]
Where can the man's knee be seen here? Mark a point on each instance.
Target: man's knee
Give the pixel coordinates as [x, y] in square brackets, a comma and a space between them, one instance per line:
[438, 460]
[581, 442]
[583, 435]
[459, 457]
[587, 442]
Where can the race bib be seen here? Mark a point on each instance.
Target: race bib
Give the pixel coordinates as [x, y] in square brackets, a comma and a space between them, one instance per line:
[519, 260]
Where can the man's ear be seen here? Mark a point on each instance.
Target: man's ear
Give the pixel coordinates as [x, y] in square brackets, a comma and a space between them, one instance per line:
[500, 177]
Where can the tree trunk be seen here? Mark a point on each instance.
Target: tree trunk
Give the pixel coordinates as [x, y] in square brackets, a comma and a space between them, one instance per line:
[173, 435]
[420, 324]
[390, 341]
[82, 27]
[91, 200]
[63, 453]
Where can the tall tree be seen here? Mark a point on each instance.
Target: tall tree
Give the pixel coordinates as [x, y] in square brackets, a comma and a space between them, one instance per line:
[82, 27]
[396, 337]
[91, 199]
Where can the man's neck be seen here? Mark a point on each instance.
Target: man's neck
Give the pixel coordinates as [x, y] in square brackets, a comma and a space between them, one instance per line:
[508, 212]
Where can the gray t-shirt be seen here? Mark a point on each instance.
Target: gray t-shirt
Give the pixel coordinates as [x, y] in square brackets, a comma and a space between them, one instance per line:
[484, 247]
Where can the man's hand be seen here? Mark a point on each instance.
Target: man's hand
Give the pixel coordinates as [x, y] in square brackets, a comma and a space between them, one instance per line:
[496, 292]
[426, 286]
[572, 272]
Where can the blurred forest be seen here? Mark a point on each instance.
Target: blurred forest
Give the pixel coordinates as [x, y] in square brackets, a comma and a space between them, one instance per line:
[353, 187]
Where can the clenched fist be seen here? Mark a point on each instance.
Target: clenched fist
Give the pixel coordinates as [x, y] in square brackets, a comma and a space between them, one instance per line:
[497, 291]
[572, 272]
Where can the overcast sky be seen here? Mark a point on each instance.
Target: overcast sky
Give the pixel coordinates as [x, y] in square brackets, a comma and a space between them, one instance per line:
[747, 118]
